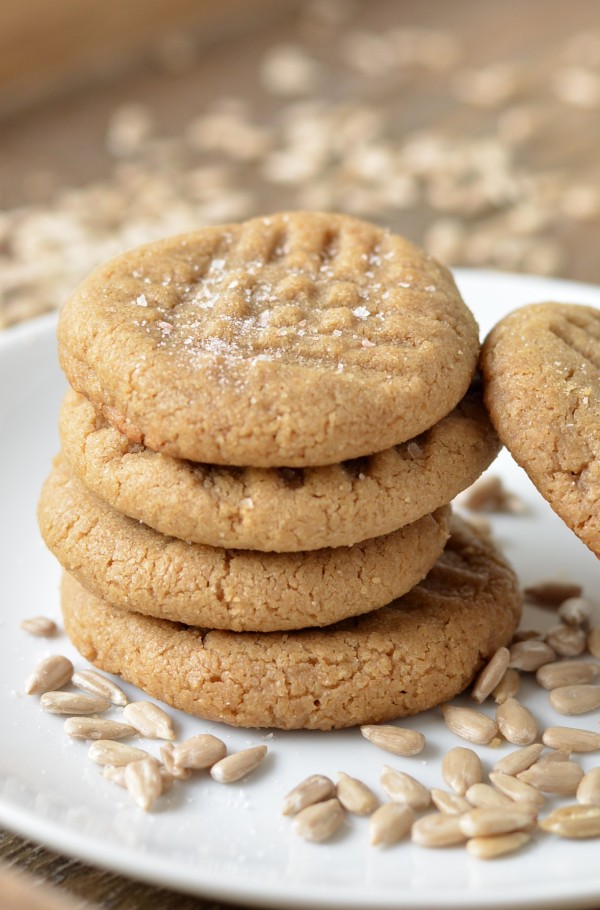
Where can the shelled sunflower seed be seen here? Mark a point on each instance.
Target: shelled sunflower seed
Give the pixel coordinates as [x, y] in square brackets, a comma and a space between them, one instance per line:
[491, 676]
[516, 723]
[461, 768]
[51, 673]
[95, 683]
[573, 822]
[72, 703]
[390, 823]
[403, 788]
[238, 765]
[493, 846]
[508, 687]
[571, 739]
[40, 626]
[566, 673]
[320, 821]
[578, 699]
[519, 760]
[470, 725]
[588, 790]
[355, 796]
[313, 789]
[398, 740]
[149, 720]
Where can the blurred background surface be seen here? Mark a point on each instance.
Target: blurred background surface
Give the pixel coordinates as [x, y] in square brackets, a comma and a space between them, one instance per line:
[472, 127]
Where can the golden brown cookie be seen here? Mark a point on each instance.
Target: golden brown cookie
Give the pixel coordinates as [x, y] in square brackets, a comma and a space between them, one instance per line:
[139, 569]
[542, 387]
[294, 340]
[415, 653]
[283, 510]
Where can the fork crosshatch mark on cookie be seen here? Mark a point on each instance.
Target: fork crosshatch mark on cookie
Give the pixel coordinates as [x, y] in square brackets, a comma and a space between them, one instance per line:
[541, 366]
[294, 340]
[280, 509]
[139, 569]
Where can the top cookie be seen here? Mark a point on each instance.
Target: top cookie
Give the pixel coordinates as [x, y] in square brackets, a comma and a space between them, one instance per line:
[295, 340]
[541, 367]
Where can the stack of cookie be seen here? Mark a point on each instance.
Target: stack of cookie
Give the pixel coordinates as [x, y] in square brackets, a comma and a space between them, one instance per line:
[266, 424]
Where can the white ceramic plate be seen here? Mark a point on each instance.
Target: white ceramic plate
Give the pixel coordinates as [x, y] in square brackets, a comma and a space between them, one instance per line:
[232, 842]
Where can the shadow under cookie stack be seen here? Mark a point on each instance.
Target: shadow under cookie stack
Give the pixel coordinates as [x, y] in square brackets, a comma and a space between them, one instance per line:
[266, 424]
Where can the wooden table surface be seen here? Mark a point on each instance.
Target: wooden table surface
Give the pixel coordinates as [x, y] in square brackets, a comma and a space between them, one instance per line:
[522, 77]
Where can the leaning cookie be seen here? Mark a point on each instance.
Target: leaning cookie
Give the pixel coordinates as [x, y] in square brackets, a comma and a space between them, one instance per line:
[415, 653]
[541, 366]
[135, 567]
[283, 510]
[294, 340]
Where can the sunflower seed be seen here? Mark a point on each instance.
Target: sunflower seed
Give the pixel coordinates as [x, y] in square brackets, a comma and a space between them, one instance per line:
[52, 673]
[390, 823]
[234, 767]
[41, 626]
[560, 777]
[488, 494]
[167, 779]
[72, 703]
[575, 611]
[488, 822]
[144, 782]
[519, 760]
[149, 720]
[402, 788]
[516, 723]
[508, 687]
[575, 699]
[570, 739]
[573, 821]
[552, 593]
[355, 796]
[530, 655]
[485, 494]
[497, 845]
[320, 821]
[313, 789]
[398, 740]
[97, 728]
[593, 642]
[482, 796]
[527, 635]
[554, 755]
[588, 791]
[437, 830]
[115, 774]
[109, 752]
[96, 684]
[469, 724]
[566, 673]
[461, 768]
[168, 758]
[449, 803]
[567, 641]
[199, 752]
[517, 790]
[491, 675]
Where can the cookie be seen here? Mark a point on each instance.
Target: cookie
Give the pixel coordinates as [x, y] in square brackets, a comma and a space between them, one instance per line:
[284, 510]
[301, 339]
[417, 652]
[541, 366]
[139, 569]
